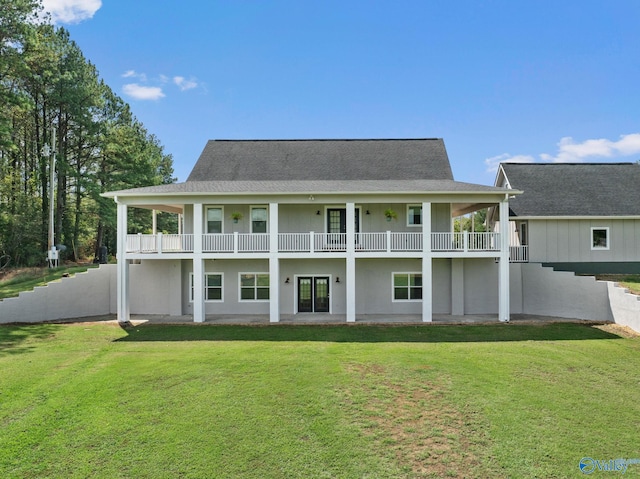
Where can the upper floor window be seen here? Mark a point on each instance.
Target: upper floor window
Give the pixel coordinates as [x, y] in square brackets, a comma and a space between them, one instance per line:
[600, 238]
[414, 215]
[214, 219]
[258, 219]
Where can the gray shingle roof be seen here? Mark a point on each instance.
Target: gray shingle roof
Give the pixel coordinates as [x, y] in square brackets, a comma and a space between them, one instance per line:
[574, 189]
[276, 160]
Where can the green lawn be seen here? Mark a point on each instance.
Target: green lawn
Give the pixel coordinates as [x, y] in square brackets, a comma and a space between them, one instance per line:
[28, 278]
[631, 282]
[97, 401]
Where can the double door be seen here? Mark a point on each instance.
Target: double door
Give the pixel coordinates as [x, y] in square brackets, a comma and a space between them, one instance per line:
[313, 294]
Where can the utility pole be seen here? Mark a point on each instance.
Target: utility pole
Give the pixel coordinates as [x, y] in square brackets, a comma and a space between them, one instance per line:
[52, 254]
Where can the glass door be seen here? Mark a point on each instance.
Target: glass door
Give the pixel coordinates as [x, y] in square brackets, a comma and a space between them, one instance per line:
[313, 294]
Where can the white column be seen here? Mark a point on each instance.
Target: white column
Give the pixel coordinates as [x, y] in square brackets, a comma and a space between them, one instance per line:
[122, 288]
[457, 286]
[198, 265]
[351, 263]
[427, 266]
[274, 265]
[503, 281]
[198, 228]
[198, 290]
[154, 221]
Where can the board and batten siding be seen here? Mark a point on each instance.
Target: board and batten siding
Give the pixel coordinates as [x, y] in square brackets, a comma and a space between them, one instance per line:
[566, 240]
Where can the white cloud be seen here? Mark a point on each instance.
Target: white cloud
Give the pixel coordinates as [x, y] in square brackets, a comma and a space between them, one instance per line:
[493, 162]
[144, 88]
[184, 84]
[71, 11]
[571, 152]
[133, 74]
[141, 92]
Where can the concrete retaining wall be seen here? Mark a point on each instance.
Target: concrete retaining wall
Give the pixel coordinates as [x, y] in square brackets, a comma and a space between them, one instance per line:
[84, 294]
[624, 306]
[562, 294]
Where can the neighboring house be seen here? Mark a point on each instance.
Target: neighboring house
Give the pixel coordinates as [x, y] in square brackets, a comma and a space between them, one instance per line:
[580, 217]
[340, 227]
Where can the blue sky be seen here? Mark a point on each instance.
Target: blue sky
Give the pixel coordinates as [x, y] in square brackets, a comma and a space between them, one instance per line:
[497, 80]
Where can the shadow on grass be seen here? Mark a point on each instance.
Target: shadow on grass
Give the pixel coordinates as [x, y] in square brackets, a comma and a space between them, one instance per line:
[367, 333]
[13, 337]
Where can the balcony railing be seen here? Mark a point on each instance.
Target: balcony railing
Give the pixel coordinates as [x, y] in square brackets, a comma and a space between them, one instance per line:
[312, 242]
[519, 254]
[160, 243]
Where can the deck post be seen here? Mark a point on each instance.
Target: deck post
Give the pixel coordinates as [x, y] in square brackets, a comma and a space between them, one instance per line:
[274, 265]
[427, 266]
[503, 279]
[123, 308]
[198, 265]
[351, 263]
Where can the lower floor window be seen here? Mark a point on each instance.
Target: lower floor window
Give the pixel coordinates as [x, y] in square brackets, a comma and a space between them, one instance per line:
[254, 286]
[407, 286]
[212, 286]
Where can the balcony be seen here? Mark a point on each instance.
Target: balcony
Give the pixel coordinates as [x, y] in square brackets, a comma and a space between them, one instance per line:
[312, 243]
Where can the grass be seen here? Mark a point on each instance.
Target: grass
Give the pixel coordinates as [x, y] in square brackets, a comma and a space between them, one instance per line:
[199, 401]
[629, 281]
[632, 283]
[15, 281]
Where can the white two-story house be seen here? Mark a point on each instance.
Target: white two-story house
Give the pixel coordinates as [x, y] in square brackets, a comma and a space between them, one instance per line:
[350, 228]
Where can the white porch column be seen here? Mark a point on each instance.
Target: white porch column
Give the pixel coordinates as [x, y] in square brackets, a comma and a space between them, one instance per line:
[503, 281]
[274, 265]
[198, 265]
[427, 266]
[351, 263]
[198, 228]
[457, 286]
[154, 221]
[122, 280]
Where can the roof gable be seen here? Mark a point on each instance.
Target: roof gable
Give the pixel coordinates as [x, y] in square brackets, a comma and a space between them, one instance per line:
[574, 189]
[278, 160]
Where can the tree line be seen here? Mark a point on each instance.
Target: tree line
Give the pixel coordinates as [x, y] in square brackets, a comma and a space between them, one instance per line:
[50, 94]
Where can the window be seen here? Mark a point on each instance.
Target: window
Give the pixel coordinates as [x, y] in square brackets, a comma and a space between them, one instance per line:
[599, 238]
[254, 286]
[414, 215]
[212, 287]
[259, 219]
[407, 286]
[214, 220]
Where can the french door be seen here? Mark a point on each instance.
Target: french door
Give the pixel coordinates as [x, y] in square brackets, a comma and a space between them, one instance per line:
[337, 220]
[313, 294]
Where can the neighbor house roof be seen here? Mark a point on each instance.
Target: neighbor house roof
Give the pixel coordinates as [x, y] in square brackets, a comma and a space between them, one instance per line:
[574, 189]
[277, 160]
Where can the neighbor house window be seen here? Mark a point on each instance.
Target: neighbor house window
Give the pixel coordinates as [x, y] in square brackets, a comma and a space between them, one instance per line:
[259, 219]
[214, 219]
[414, 215]
[407, 286]
[212, 287]
[254, 286]
[599, 238]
